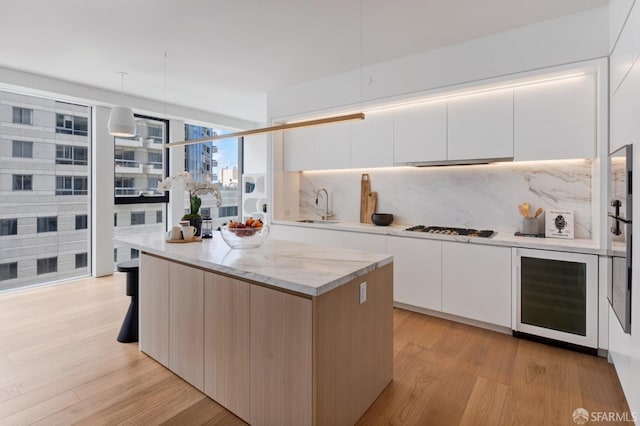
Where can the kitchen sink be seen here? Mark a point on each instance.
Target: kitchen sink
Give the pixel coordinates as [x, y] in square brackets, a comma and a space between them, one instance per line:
[316, 221]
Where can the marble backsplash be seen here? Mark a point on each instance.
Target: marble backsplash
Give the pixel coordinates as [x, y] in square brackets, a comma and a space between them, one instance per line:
[478, 196]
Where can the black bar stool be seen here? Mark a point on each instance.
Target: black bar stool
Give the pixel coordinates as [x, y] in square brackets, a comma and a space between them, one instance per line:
[129, 330]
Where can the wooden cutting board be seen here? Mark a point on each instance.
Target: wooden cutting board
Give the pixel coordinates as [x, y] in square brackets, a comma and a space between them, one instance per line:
[372, 198]
[365, 189]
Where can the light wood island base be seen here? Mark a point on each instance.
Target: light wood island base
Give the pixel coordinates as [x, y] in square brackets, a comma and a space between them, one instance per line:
[269, 355]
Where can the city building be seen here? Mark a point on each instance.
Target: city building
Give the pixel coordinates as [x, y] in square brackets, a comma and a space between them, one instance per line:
[44, 197]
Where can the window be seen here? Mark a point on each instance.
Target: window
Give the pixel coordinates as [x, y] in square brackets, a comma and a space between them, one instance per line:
[22, 149]
[71, 185]
[71, 125]
[137, 218]
[155, 160]
[126, 158]
[22, 182]
[158, 216]
[220, 162]
[135, 254]
[8, 271]
[142, 158]
[47, 265]
[125, 186]
[8, 227]
[48, 224]
[69, 154]
[81, 221]
[22, 115]
[81, 260]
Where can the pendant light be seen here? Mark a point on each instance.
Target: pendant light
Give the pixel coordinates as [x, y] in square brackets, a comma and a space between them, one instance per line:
[121, 121]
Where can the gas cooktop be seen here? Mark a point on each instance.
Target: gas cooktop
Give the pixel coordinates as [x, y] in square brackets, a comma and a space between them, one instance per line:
[444, 230]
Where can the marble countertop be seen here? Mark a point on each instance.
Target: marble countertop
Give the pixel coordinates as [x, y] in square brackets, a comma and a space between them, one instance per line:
[302, 268]
[500, 239]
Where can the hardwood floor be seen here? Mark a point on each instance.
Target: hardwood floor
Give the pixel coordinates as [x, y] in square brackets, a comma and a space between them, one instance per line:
[60, 364]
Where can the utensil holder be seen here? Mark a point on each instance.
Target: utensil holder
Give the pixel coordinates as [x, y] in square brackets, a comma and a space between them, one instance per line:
[530, 226]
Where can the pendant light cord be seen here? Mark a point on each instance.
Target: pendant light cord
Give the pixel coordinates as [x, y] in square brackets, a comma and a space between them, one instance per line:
[361, 56]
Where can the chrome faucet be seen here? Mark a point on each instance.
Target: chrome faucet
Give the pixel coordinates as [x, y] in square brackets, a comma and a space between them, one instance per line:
[327, 215]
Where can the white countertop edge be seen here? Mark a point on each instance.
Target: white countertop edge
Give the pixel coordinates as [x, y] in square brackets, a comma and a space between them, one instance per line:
[274, 282]
[504, 239]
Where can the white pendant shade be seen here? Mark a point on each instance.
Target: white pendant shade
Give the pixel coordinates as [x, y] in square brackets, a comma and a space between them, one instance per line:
[121, 122]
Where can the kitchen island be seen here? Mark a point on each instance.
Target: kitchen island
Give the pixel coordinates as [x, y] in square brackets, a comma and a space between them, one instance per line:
[286, 333]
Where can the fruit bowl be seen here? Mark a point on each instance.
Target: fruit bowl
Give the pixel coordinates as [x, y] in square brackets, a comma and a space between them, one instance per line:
[244, 237]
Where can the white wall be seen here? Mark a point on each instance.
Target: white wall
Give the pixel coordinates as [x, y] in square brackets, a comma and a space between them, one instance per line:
[558, 41]
[624, 349]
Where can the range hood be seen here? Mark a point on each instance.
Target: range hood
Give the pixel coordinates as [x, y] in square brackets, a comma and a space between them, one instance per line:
[464, 162]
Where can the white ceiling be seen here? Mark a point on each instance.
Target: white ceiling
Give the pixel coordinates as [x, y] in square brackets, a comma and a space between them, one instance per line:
[224, 55]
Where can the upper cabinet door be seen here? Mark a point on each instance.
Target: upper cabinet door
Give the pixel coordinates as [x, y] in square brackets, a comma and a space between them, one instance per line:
[556, 120]
[298, 149]
[372, 140]
[332, 146]
[481, 126]
[420, 133]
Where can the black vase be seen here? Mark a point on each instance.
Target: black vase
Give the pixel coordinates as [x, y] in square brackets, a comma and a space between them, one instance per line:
[196, 223]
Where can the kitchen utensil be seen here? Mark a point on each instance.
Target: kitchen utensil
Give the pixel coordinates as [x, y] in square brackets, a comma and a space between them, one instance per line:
[521, 210]
[382, 219]
[365, 189]
[370, 208]
[538, 212]
[526, 208]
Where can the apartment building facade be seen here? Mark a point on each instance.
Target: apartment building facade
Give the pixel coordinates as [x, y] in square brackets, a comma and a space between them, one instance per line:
[44, 190]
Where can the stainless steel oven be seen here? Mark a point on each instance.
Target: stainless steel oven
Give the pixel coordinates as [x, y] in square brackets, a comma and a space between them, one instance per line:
[620, 233]
[556, 296]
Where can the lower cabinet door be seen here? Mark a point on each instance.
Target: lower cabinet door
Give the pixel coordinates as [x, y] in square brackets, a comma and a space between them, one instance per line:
[476, 282]
[227, 343]
[417, 271]
[186, 320]
[281, 358]
[154, 308]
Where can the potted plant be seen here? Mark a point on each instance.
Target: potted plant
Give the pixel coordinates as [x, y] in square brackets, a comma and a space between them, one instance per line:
[195, 189]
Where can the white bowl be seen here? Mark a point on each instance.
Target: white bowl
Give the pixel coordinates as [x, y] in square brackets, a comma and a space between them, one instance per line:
[244, 237]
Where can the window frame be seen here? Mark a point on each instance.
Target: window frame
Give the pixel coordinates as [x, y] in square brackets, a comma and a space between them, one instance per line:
[64, 130]
[47, 225]
[147, 199]
[11, 266]
[22, 110]
[22, 180]
[21, 144]
[48, 263]
[84, 220]
[9, 224]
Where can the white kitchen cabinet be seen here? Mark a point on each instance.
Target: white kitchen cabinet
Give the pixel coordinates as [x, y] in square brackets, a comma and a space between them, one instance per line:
[154, 308]
[372, 140]
[332, 146]
[298, 149]
[556, 119]
[476, 282]
[323, 237]
[417, 271]
[623, 54]
[420, 133]
[480, 126]
[366, 242]
[287, 233]
[625, 103]
[186, 325]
